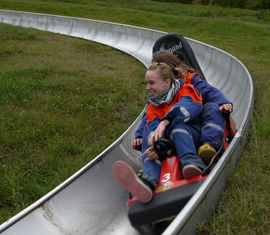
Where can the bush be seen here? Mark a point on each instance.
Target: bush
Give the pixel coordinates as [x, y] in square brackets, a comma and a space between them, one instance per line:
[230, 3]
[203, 2]
[251, 4]
[258, 4]
[180, 1]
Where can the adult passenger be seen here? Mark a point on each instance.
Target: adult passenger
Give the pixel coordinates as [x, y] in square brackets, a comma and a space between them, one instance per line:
[173, 111]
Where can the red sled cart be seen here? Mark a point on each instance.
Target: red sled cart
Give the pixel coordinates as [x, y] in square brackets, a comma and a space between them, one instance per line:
[173, 191]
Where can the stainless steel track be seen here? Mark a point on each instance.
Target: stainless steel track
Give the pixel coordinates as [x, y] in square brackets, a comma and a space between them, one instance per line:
[90, 201]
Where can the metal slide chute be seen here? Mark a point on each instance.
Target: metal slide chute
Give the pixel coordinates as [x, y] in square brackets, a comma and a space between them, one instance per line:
[84, 205]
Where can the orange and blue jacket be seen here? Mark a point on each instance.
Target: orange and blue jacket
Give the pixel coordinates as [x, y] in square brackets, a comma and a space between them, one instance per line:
[208, 92]
[185, 107]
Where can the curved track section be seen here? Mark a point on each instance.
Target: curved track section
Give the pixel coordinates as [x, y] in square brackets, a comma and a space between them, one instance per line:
[90, 201]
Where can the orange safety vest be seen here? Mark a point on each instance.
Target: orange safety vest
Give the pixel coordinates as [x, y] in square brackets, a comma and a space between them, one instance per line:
[160, 111]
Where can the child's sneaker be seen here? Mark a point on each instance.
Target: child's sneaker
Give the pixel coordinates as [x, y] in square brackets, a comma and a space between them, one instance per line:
[206, 152]
[190, 171]
[128, 179]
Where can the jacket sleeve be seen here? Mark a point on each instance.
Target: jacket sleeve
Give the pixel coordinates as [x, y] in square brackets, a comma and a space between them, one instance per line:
[208, 92]
[149, 130]
[184, 111]
[139, 132]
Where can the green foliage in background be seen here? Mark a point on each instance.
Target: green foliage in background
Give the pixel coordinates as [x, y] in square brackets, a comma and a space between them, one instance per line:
[250, 4]
[63, 101]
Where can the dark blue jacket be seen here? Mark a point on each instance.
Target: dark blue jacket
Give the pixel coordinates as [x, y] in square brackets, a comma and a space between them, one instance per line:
[208, 92]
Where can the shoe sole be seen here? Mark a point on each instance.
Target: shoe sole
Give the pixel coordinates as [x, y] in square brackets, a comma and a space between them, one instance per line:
[190, 171]
[128, 179]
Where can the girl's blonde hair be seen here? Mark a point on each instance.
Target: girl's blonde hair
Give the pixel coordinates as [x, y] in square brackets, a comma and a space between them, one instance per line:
[165, 71]
[173, 61]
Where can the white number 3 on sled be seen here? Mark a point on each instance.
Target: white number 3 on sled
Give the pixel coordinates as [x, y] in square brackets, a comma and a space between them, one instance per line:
[166, 177]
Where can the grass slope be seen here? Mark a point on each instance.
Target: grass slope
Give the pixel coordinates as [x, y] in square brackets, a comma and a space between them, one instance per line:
[62, 101]
[244, 207]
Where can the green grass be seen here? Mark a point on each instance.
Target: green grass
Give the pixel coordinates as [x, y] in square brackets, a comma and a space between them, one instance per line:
[62, 100]
[49, 86]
